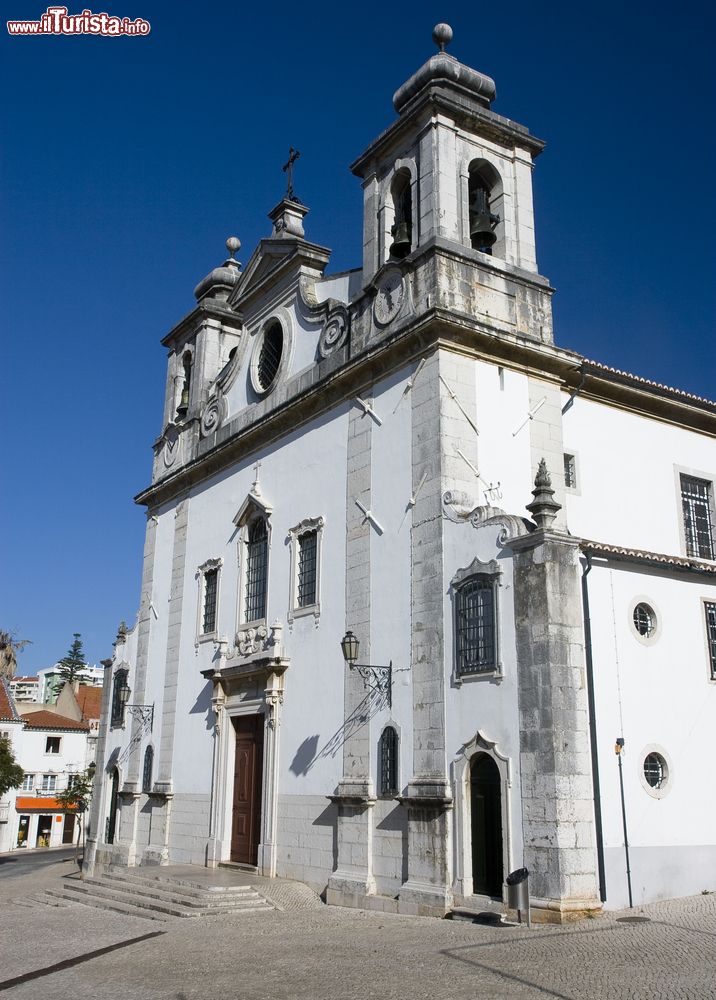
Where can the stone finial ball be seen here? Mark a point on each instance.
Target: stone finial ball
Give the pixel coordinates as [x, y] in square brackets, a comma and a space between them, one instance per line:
[442, 35]
[233, 245]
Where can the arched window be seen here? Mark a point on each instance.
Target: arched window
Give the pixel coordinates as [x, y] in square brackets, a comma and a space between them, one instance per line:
[118, 697]
[388, 761]
[148, 767]
[113, 807]
[256, 570]
[482, 220]
[186, 385]
[402, 228]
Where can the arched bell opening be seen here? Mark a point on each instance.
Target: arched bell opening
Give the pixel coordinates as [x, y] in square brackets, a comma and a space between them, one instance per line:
[402, 229]
[183, 404]
[484, 209]
[486, 826]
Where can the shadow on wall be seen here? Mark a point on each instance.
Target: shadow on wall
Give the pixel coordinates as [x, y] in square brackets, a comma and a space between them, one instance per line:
[202, 705]
[306, 755]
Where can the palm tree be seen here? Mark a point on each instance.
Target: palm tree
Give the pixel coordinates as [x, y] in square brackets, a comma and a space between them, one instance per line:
[10, 646]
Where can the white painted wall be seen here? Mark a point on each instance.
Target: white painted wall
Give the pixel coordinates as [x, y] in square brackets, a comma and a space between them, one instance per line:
[628, 492]
[657, 696]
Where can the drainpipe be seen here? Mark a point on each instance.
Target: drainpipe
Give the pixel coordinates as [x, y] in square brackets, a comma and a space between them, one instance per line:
[593, 727]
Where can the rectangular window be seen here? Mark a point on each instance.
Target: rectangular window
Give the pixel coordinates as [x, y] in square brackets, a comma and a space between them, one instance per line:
[49, 782]
[696, 500]
[256, 570]
[52, 744]
[476, 626]
[28, 783]
[710, 609]
[211, 580]
[119, 697]
[570, 472]
[307, 549]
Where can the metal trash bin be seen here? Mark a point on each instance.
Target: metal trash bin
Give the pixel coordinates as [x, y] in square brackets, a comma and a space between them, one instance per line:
[518, 892]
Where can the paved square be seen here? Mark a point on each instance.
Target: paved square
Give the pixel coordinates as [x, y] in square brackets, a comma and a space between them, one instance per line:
[321, 954]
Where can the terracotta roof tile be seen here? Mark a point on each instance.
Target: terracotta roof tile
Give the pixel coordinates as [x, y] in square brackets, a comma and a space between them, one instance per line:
[647, 381]
[51, 720]
[643, 555]
[8, 712]
[90, 701]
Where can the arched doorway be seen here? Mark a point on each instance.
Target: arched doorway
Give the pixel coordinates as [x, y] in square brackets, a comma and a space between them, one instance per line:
[486, 823]
[112, 818]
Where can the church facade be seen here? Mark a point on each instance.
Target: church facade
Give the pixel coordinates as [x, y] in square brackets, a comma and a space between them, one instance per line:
[522, 541]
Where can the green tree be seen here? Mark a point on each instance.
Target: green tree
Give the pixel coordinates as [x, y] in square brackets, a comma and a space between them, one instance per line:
[11, 774]
[72, 665]
[77, 795]
[10, 646]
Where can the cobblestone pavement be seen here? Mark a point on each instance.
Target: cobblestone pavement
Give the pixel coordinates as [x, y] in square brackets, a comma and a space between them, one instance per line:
[327, 953]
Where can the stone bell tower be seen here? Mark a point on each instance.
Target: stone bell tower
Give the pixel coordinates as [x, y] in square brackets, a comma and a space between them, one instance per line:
[451, 173]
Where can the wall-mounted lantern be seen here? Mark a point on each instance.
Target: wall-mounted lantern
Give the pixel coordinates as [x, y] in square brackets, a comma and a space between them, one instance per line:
[375, 678]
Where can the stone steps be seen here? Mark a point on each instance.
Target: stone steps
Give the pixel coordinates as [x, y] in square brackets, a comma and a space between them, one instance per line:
[156, 898]
[176, 891]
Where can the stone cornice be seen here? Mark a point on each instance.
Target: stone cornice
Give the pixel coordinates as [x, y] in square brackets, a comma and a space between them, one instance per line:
[206, 309]
[435, 100]
[334, 382]
[289, 257]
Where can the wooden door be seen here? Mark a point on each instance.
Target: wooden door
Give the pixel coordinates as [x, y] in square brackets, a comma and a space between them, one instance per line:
[248, 765]
[486, 807]
[68, 830]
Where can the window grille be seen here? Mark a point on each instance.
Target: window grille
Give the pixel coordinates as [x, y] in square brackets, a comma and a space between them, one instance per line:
[211, 580]
[270, 355]
[698, 523]
[307, 550]
[388, 761]
[256, 567]
[147, 772]
[120, 682]
[655, 770]
[711, 635]
[49, 782]
[570, 472]
[644, 620]
[476, 626]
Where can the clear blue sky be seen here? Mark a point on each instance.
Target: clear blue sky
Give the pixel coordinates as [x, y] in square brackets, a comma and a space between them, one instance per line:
[127, 162]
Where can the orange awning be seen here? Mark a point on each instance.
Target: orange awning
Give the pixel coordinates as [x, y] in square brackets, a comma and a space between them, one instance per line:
[25, 803]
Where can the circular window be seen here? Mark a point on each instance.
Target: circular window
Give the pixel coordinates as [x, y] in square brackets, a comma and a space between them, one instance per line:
[644, 620]
[270, 353]
[656, 772]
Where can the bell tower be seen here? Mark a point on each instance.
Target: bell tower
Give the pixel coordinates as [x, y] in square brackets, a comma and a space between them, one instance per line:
[451, 170]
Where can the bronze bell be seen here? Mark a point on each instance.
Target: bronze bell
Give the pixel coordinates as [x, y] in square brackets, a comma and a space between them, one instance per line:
[401, 240]
[482, 234]
[184, 401]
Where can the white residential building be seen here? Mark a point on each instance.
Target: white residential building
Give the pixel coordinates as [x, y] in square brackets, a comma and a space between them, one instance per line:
[51, 749]
[524, 536]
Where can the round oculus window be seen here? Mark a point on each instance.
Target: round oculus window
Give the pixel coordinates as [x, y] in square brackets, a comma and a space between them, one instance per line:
[644, 620]
[656, 771]
[269, 359]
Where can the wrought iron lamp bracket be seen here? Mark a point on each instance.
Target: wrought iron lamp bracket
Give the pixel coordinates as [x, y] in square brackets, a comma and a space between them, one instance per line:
[377, 678]
[145, 714]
